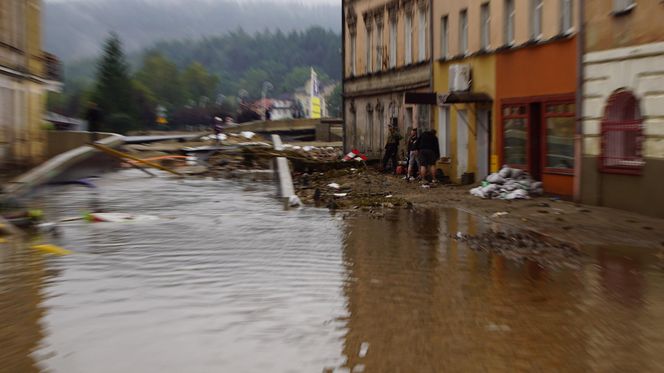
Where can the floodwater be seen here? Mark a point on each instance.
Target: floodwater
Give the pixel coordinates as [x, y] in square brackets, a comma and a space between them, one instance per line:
[227, 281]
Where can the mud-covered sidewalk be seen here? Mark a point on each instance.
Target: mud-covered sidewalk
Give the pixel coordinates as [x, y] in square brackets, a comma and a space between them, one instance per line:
[365, 189]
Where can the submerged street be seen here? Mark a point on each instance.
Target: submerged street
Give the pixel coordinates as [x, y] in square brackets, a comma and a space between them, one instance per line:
[226, 280]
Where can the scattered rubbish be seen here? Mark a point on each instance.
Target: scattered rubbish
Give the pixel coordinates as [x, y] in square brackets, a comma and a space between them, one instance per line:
[359, 368]
[247, 134]
[355, 155]
[498, 328]
[340, 195]
[294, 201]
[426, 186]
[83, 182]
[499, 214]
[334, 186]
[364, 349]
[389, 196]
[52, 249]
[102, 217]
[508, 184]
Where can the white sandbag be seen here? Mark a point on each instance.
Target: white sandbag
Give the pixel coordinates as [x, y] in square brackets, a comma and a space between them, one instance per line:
[517, 173]
[517, 194]
[477, 192]
[495, 179]
[505, 172]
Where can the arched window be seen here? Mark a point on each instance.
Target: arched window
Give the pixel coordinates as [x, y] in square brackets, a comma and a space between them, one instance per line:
[622, 135]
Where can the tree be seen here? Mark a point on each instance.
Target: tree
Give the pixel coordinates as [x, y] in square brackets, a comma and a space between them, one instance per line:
[162, 78]
[334, 102]
[199, 83]
[113, 90]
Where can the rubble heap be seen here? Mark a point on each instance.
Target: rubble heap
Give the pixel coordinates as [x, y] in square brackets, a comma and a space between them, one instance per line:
[509, 184]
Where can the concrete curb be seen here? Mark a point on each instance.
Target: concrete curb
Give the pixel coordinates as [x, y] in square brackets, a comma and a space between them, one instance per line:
[286, 188]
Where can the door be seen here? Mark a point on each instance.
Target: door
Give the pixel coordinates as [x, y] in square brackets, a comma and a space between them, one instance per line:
[535, 141]
[444, 131]
[462, 142]
[483, 128]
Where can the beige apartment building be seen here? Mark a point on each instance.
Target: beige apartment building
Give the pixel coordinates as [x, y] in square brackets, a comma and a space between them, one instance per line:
[623, 105]
[26, 73]
[387, 52]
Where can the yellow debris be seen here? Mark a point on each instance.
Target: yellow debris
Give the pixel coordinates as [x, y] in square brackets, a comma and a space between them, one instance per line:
[52, 249]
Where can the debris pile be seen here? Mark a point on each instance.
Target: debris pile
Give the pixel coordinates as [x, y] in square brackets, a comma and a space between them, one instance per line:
[525, 246]
[508, 184]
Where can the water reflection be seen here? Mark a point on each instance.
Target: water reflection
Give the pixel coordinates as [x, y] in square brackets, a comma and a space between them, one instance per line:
[426, 303]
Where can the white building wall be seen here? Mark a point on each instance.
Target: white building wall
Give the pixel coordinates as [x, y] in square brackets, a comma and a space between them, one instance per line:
[639, 69]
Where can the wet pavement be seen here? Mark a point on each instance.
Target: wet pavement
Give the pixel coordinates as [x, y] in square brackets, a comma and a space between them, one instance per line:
[226, 281]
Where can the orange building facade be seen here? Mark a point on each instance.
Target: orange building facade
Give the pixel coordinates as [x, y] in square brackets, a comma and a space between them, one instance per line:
[535, 99]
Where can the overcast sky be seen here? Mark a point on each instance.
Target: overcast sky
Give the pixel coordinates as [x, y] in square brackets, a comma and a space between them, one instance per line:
[275, 1]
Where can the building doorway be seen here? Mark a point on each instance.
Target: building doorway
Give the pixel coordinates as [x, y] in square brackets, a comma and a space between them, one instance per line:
[483, 143]
[462, 142]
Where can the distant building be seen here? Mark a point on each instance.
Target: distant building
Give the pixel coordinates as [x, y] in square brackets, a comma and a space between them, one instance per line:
[26, 74]
[623, 105]
[388, 52]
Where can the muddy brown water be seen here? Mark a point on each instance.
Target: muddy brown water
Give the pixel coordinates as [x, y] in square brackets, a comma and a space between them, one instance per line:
[227, 281]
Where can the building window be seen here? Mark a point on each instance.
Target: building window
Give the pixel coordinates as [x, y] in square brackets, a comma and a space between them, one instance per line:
[409, 39]
[559, 136]
[369, 130]
[566, 16]
[623, 6]
[622, 135]
[379, 47]
[423, 121]
[352, 53]
[369, 49]
[536, 7]
[485, 31]
[422, 35]
[510, 18]
[463, 31]
[515, 135]
[444, 37]
[393, 43]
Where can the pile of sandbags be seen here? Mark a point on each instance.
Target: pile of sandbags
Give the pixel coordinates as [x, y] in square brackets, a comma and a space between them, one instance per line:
[509, 184]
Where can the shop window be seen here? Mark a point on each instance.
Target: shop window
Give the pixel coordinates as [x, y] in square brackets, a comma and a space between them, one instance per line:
[515, 135]
[559, 136]
[622, 135]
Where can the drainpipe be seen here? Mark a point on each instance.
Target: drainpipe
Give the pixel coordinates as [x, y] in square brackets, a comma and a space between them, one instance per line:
[343, 75]
[578, 138]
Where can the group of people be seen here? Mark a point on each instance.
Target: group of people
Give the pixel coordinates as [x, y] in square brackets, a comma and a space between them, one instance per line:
[422, 151]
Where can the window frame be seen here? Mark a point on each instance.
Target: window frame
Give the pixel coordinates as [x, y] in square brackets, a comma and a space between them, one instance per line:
[369, 48]
[379, 47]
[393, 43]
[353, 54]
[509, 31]
[463, 32]
[536, 19]
[485, 26]
[544, 133]
[422, 24]
[526, 119]
[622, 125]
[566, 17]
[444, 36]
[408, 28]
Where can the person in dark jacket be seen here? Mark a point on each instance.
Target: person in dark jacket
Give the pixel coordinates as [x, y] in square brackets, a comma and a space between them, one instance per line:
[392, 148]
[93, 116]
[413, 147]
[429, 153]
